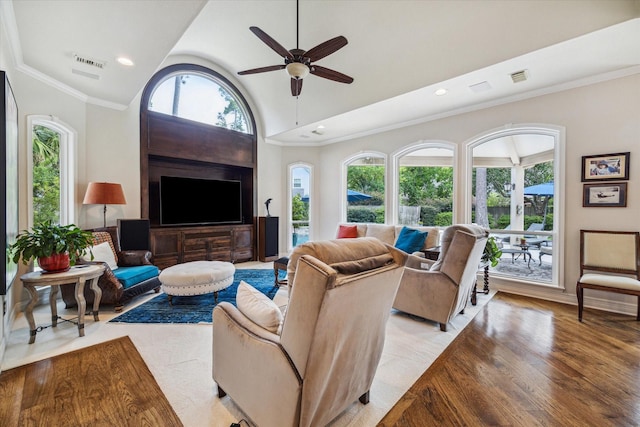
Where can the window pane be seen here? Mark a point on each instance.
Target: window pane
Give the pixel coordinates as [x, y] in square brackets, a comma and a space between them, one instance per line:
[300, 198]
[513, 181]
[365, 190]
[199, 98]
[426, 187]
[46, 175]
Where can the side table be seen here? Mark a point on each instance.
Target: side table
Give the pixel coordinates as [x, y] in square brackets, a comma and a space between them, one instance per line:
[78, 275]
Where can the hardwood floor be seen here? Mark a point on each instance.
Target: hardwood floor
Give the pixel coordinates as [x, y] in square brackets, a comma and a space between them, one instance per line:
[528, 362]
[107, 384]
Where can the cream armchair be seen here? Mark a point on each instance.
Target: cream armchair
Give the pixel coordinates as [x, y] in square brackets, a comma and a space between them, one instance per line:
[330, 343]
[441, 290]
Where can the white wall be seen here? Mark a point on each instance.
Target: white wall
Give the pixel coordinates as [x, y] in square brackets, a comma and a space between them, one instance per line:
[599, 119]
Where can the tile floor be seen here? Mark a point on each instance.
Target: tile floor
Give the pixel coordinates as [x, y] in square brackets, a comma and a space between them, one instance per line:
[179, 356]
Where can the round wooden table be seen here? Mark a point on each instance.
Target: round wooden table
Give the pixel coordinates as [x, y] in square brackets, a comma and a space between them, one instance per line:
[78, 275]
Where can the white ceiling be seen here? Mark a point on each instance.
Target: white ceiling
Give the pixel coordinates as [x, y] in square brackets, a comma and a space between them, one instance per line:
[399, 53]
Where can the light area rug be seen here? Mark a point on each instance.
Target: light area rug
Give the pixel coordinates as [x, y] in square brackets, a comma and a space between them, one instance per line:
[179, 357]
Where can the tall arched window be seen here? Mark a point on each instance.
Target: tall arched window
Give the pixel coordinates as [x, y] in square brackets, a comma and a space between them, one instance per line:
[515, 183]
[424, 184]
[300, 203]
[52, 163]
[364, 184]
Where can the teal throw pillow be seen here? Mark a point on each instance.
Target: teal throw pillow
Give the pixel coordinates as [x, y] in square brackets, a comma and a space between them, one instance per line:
[411, 240]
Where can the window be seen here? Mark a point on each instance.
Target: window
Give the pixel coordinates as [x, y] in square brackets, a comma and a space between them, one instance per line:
[52, 165]
[514, 190]
[300, 179]
[201, 98]
[364, 190]
[425, 177]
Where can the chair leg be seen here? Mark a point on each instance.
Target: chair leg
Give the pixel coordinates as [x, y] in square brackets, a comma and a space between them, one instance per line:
[580, 294]
[221, 392]
[443, 327]
[364, 399]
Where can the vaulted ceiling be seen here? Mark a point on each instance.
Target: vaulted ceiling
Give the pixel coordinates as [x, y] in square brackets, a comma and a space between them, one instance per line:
[399, 53]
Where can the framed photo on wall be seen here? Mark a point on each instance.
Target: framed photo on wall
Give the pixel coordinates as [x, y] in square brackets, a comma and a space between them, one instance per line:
[605, 195]
[605, 167]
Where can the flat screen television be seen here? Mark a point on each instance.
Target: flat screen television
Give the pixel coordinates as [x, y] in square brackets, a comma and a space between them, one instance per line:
[195, 201]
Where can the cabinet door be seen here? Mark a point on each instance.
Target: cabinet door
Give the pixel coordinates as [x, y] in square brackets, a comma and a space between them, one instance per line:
[243, 244]
[166, 247]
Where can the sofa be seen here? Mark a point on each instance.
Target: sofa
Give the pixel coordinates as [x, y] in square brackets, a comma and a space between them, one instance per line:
[127, 273]
[324, 354]
[387, 234]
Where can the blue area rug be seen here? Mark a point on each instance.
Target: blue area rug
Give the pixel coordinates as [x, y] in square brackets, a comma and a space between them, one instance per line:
[197, 308]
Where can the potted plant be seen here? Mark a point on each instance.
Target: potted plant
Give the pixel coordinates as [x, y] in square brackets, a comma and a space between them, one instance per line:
[56, 247]
[492, 252]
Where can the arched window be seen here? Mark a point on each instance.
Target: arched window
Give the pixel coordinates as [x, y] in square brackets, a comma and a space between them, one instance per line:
[201, 97]
[364, 188]
[424, 184]
[515, 182]
[301, 201]
[52, 145]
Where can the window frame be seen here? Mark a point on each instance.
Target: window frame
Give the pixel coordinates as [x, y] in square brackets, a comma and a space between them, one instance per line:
[395, 173]
[345, 165]
[556, 132]
[68, 166]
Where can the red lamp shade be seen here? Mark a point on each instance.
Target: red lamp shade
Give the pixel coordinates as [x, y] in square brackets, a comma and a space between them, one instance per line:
[104, 193]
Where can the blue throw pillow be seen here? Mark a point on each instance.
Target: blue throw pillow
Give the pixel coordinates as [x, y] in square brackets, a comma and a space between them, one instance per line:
[411, 240]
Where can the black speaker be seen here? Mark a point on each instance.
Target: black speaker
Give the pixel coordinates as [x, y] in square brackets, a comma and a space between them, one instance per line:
[268, 238]
[133, 234]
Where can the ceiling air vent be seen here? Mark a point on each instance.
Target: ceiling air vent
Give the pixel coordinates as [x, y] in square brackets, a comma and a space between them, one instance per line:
[519, 76]
[85, 60]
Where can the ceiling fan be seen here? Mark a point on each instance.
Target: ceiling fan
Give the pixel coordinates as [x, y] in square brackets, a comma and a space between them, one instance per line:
[298, 62]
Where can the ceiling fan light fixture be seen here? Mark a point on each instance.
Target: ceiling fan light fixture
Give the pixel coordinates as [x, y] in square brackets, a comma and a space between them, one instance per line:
[297, 70]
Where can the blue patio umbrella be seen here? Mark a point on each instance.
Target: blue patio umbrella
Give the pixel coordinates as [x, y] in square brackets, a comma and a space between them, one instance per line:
[356, 196]
[545, 189]
[352, 196]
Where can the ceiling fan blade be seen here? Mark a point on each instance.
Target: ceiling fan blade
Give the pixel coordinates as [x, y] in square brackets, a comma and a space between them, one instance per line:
[330, 74]
[296, 86]
[326, 48]
[262, 69]
[277, 47]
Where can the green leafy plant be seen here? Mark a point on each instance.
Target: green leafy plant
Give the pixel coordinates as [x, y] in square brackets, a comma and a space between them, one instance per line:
[48, 238]
[492, 252]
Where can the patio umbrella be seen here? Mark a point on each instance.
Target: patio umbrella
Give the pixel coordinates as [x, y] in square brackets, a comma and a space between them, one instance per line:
[545, 189]
[356, 196]
[352, 196]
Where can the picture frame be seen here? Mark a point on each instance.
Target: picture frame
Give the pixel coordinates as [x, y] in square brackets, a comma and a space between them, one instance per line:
[606, 167]
[605, 195]
[8, 179]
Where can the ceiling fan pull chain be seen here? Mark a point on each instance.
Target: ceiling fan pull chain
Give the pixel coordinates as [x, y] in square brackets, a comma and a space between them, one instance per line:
[297, 97]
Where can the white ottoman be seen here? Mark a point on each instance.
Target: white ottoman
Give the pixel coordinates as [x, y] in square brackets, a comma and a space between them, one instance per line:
[197, 278]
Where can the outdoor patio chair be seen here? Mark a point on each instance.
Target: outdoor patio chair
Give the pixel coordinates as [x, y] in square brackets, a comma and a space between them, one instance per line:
[609, 262]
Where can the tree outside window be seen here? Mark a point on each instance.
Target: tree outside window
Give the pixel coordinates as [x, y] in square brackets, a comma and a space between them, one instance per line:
[46, 175]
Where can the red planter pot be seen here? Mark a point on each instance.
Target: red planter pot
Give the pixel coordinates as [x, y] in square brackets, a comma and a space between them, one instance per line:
[55, 263]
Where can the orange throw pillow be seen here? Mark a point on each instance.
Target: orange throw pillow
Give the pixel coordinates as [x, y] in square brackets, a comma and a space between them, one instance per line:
[347, 231]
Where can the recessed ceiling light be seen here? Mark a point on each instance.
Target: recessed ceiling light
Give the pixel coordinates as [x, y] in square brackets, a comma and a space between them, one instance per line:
[125, 61]
[441, 91]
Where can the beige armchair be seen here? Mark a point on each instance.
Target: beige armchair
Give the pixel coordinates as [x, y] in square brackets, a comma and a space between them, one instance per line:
[330, 343]
[440, 291]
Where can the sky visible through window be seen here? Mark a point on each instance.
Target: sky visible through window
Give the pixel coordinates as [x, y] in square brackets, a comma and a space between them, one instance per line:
[199, 98]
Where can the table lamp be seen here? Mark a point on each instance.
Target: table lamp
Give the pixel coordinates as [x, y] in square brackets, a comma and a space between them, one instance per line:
[104, 193]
